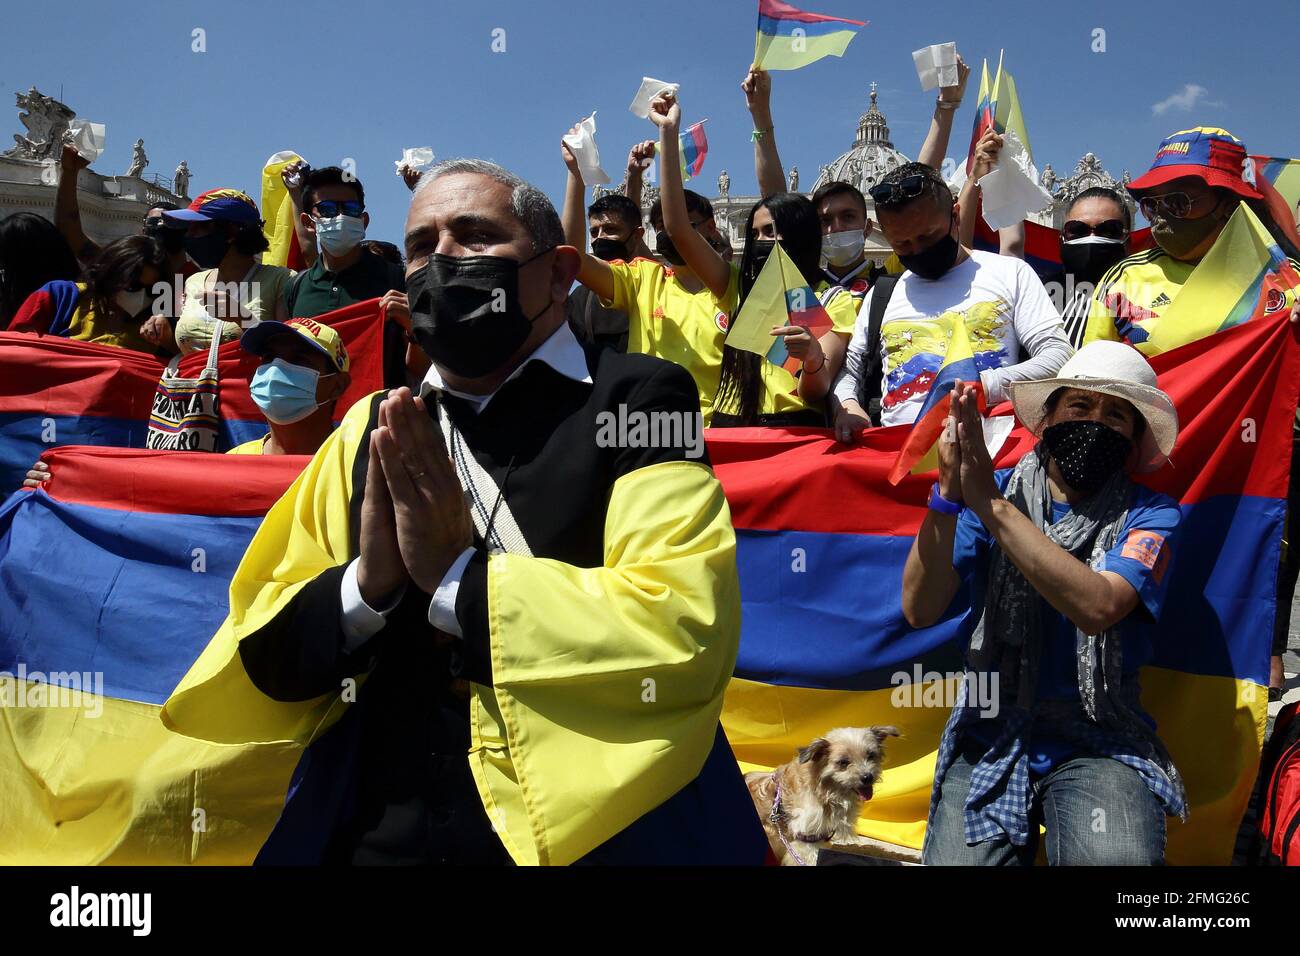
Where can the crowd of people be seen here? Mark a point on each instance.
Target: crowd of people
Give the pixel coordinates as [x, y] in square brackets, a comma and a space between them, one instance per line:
[508, 326]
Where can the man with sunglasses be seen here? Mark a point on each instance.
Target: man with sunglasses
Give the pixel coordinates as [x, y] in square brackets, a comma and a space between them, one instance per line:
[334, 218]
[1014, 330]
[1191, 190]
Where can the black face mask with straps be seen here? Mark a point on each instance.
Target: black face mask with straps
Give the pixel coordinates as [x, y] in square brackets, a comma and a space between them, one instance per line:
[465, 311]
[935, 260]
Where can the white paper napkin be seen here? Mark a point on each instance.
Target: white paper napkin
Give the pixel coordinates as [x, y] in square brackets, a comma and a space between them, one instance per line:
[936, 65]
[583, 146]
[415, 158]
[1011, 191]
[650, 88]
[88, 138]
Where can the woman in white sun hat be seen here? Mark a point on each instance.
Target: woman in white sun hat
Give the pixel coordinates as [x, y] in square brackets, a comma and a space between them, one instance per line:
[1063, 558]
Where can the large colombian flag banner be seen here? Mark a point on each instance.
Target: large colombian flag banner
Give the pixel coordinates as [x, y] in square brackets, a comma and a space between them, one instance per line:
[822, 539]
[56, 391]
[789, 38]
[113, 578]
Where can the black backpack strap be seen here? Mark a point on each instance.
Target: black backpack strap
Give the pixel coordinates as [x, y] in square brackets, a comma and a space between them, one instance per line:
[873, 367]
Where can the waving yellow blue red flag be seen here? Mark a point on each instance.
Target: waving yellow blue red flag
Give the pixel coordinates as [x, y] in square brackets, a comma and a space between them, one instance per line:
[780, 293]
[789, 38]
[998, 108]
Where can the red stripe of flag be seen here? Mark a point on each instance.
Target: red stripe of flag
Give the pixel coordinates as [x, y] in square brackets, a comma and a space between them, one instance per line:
[778, 10]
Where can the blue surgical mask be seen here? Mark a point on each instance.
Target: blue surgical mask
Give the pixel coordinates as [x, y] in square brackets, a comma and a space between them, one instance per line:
[340, 235]
[286, 393]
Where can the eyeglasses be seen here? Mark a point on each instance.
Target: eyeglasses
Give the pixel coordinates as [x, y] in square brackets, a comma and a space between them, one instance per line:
[1170, 205]
[1109, 229]
[909, 187]
[329, 208]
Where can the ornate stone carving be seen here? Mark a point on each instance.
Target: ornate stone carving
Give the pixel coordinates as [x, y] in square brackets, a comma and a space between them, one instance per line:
[46, 121]
[138, 159]
[1049, 179]
[794, 179]
[724, 183]
[181, 181]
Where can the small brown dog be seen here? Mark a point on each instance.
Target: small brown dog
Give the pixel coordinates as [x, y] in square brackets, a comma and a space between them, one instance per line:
[808, 802]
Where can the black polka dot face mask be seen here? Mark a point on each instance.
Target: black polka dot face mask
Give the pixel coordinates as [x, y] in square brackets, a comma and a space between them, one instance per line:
[1087, 452]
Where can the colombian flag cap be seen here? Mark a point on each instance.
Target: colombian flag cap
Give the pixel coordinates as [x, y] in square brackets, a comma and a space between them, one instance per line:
[1211, 154]
[221, 205]
[258, 339]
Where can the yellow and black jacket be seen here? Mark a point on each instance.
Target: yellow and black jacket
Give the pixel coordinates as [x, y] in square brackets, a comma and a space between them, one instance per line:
[577, 719]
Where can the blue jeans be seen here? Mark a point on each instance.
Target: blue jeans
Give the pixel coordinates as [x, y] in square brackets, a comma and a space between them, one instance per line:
[1097, 812]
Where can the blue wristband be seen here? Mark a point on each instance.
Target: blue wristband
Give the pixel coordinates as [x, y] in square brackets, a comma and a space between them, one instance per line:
[941, 504]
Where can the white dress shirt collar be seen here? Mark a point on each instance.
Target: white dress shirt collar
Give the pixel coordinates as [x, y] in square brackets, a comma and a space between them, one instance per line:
[560, 351]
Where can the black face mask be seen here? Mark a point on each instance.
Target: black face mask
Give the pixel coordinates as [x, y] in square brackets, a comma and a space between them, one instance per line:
[1089, 261]
[760, 252]
[465, 311]
[610, 250]
[172, 240]
[207, 251]
[1087, 452]
[933, 262]
[666, 250]
[1179, 237]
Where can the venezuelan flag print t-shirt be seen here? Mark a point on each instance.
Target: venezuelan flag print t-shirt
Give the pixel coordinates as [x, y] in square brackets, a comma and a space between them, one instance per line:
[1007, 313]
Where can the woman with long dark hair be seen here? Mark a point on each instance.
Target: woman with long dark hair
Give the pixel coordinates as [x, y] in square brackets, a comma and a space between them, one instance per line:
[752, 390]
[114, 298]
[32, 253]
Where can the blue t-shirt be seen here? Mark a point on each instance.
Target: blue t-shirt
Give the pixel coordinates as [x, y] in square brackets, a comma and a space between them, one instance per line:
[1140, 556]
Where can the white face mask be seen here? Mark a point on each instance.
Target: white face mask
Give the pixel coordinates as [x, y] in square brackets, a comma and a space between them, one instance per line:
[843, 248]
[129, 302]
[340, 235]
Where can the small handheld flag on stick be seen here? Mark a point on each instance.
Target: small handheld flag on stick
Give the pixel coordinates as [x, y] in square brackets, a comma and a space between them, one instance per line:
[998, 108]
[781, 295]
[694, 146]
[789, 38]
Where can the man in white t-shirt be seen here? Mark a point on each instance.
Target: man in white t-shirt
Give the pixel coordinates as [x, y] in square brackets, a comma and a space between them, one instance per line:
[1014, 329]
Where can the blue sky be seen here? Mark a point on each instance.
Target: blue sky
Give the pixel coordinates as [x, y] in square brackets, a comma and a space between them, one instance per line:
[354, 80]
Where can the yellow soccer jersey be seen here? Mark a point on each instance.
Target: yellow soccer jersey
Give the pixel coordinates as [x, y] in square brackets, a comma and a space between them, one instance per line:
[668, 322]
[1135, 290]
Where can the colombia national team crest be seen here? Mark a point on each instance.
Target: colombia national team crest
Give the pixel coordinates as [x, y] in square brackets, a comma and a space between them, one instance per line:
[721, 321]
[1275, 301]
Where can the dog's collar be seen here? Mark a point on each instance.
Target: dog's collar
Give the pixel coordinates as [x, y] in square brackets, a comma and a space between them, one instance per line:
[775, 817]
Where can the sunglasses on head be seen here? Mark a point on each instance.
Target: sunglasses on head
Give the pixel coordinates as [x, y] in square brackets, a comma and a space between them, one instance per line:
[329, 208]
[909, 187]
[1109, 229]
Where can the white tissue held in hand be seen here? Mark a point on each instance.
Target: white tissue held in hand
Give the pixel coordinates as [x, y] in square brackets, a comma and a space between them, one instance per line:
[583, 146]
[650, 88]
[415, 158]
[87, 138]
[1011, 191]
[936, 65]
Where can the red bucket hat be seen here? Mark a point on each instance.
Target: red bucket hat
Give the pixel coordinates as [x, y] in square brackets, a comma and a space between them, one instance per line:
[1210, 154]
